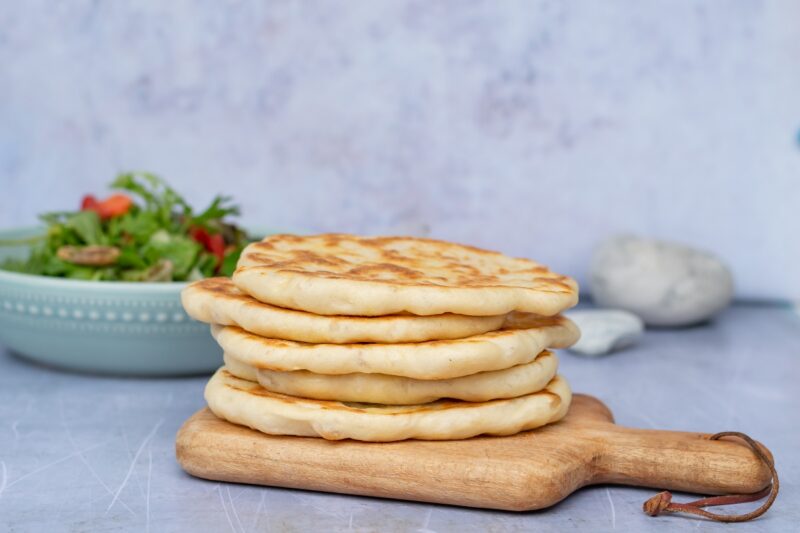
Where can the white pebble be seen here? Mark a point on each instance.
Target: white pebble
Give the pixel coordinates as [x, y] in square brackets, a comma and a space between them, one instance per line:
[605, 330]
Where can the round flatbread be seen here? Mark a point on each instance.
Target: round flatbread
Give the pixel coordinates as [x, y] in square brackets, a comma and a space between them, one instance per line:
[394, 390]
[246, 403]
[522, 340]
[338, 274]
[240, 369]
[218, 301]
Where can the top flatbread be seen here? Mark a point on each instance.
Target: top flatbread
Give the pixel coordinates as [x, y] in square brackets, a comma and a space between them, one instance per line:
[337, 274]
[218, 301]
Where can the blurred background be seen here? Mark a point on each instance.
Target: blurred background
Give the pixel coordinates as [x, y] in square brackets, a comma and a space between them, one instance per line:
[537, 129]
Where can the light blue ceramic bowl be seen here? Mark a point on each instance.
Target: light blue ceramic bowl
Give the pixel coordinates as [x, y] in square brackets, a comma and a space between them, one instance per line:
[101, 326]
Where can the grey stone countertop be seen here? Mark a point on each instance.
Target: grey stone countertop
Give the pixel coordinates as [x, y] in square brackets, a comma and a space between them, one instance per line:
[90, 453]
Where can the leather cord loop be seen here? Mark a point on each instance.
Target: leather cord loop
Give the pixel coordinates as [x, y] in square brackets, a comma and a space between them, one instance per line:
[662, 502]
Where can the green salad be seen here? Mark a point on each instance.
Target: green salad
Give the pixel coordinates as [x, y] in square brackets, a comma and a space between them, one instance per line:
[145, 232]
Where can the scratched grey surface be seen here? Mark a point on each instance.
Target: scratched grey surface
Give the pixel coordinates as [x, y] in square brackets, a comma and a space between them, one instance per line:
[87, 453]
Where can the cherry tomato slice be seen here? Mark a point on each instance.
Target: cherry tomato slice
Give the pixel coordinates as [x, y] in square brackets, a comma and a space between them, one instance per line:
[89, 202]
[216, 245]
[200, 235]
[114, 206]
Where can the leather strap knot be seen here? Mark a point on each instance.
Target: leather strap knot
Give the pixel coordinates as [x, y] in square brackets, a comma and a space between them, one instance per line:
[656, 504]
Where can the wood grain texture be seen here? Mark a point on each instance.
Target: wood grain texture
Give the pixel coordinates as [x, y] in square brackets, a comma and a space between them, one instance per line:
[531, 470]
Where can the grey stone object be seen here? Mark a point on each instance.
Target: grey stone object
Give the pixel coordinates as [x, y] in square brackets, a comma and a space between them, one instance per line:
[664, 283]
[605, 330]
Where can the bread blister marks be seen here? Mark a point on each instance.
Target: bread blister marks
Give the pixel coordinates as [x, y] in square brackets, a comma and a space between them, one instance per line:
[605, 330]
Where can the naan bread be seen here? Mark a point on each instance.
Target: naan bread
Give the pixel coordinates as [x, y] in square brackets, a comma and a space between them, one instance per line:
[394, 390]
[338, 274]
[249, 404]
[240, 369]
[446, 359]
[218, 301]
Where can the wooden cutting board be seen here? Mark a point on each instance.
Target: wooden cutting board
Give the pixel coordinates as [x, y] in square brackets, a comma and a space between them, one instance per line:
[527, 471]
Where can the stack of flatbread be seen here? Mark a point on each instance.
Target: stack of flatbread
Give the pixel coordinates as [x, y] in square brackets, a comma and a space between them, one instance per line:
[384, 339]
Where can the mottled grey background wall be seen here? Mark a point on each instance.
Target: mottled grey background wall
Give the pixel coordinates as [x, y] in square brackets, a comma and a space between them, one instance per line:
[536, 128]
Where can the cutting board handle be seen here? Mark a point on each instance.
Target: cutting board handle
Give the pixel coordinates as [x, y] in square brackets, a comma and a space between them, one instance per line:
[682, 461]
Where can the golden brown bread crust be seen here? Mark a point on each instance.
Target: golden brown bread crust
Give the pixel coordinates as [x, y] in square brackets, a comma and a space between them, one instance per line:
[218, 301]
[368, 276]
[431, 360]
[246, 403]
[512, 382]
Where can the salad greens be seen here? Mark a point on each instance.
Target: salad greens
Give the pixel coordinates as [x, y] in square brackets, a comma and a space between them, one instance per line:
[160, 238]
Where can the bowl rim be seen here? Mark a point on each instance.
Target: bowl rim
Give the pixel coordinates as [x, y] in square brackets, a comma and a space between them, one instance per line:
[19, 278]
